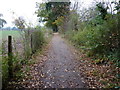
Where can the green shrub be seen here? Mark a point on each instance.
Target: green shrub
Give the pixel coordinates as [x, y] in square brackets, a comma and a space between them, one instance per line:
[33, 40]
[4, 69]
[113, 56]
[16, 65]
[38, 39]
[99, 39]
[90, 38]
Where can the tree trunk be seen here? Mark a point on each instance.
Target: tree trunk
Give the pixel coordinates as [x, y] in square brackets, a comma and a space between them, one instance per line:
[55, 28]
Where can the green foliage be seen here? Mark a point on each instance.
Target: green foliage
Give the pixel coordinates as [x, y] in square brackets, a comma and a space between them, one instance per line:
[51, 11]
[69, 35]
[4, 69]
[33, 39]
[38, 39]
[101, 8]
[99, 37]
[113, 56]
[15, 68]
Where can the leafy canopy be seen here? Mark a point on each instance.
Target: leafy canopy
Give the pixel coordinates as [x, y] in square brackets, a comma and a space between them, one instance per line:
[49, 12]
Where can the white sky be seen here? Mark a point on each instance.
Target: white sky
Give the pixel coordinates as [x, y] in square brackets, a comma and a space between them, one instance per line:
[25, 8]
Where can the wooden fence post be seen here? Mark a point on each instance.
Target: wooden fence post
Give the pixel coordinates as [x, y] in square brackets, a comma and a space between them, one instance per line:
[10, 57]
[31, 44]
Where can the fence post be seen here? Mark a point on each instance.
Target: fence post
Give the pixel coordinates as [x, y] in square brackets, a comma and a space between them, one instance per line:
[31, 44]
[10, 57]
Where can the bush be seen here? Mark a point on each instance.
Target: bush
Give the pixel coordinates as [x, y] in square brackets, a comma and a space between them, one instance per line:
[90, 38]
[33, 40]
[99, 39]
[38, 39]
[16, 65]
[4, 69]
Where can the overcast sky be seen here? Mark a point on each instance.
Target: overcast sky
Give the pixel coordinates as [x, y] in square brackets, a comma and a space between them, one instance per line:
[25, 8]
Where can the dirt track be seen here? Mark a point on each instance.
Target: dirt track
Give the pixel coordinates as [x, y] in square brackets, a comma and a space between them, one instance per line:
[60, 69]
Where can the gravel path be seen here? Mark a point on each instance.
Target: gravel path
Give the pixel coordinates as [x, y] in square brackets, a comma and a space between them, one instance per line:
[60, 69]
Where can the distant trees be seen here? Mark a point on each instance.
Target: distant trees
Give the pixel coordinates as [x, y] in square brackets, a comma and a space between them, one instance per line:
[19, 22]
[2, 21]
[51, 11]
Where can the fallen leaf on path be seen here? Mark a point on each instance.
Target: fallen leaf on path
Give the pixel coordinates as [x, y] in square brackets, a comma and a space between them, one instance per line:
[42, 75]
[66, 70]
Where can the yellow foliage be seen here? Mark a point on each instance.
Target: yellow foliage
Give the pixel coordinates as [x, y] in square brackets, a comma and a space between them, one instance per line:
[54, 22]
[59, 20]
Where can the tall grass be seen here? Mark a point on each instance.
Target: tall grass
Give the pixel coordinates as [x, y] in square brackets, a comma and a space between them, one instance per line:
[30, 36]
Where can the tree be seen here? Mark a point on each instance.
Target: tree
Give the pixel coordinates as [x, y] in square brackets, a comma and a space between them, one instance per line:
[51, 11]
[2, 21]
[19, 22]
[102, 9]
